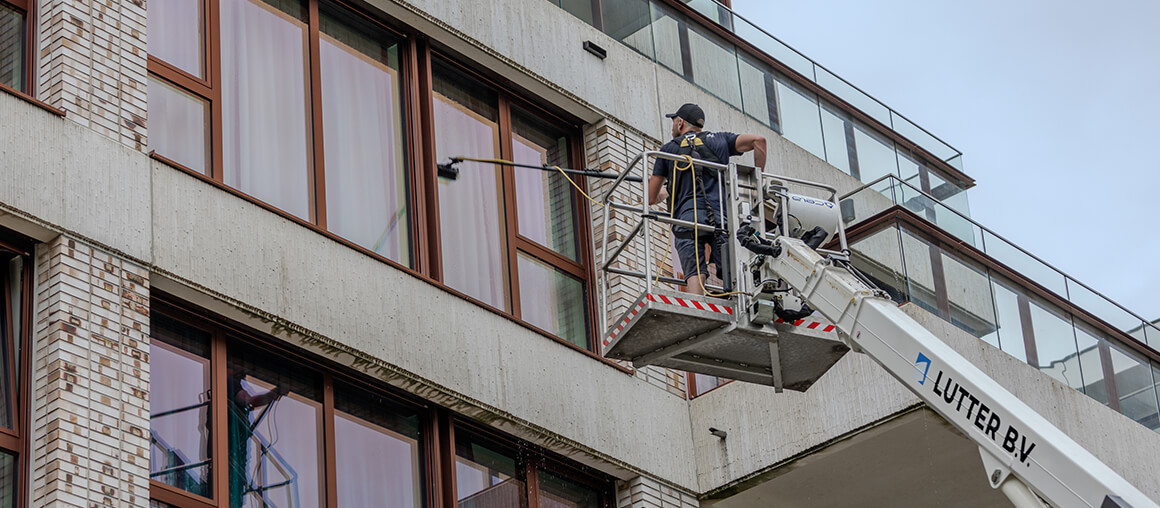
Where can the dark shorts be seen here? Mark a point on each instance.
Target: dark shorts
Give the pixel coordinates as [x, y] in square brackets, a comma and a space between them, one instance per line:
[688, 252]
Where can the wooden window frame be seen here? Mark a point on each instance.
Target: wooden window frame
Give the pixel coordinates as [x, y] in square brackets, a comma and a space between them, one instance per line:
[29, 10]
[437, 425]
[16, 440]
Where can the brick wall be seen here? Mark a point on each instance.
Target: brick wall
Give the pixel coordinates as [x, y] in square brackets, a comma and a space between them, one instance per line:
[610, 147]
[641, 492]
[90, 379]
[91, 64]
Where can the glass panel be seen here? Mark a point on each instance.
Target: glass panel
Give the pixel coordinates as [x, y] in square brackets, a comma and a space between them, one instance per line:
[9, 478]
[909, 168]
[758, 91]
[1024, 264]
[773, 47]
[946, 218]
[178, 129]
[470, 207]
[666, 30]
[875, 154]
[920, 281]
[912, 132]
[879, 257]
[11, 316]
[1136, 387]
[800, 121]
[705, 383]
[948, 193]
[265, 102]
[11, 48]
[556, 492]
[1102, 307]
[544, 200]
[1010, 332]
[362, 118]
[376, 451]
[628, 21]
[838, 143]
[856, 98]
[486, 477]
[580, 8]
[275, 431]
[969, 294]
[1055, 343]
[714, 65]
[552, 300]
[712, 10]
[1090, 365]
[176, 34]
[179, 429]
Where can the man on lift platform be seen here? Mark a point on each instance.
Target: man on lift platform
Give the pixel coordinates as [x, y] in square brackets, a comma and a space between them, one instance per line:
[694, 192]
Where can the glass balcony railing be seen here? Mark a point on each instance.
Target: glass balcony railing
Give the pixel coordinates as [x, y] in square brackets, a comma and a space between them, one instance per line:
[1010, 315]
[695, 52]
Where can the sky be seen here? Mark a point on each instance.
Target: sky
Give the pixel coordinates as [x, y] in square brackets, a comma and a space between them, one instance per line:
[1054, 104]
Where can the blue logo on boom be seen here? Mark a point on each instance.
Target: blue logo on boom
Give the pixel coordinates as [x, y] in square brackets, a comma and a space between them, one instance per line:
[921, 366]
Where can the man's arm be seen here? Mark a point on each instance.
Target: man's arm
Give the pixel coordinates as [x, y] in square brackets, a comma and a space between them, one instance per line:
[655, 184]
[747, 142]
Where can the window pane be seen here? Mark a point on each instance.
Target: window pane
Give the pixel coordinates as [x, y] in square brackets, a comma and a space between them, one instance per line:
[552, 300]
[800, 122]
[1090, 365]
[876, 156]
[176, 34]
[580, 8]
[177, 126]
[9, 480]
[11, 48]
[362, 114]
[376, 451]
[1055, 343]
[879, 257]
[1010, 330]
[265, 90]
[666, 30]
[11, 310]
[715, 65]
[275, 431]
[1136, 387]
[834, 128]
[969, 295]
[544, 199]
[920, 281]
[556, 492]
[470, 207]
[486, 477]
[758, 91]
[628, 21]
[180, 434]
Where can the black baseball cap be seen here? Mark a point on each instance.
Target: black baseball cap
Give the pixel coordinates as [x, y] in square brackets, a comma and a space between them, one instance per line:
[691, 113]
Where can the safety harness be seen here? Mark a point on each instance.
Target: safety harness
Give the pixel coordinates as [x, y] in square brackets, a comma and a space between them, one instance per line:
[692, 144]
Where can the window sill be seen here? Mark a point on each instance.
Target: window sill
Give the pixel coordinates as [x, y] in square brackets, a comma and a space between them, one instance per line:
[32, 100]
[409, 271]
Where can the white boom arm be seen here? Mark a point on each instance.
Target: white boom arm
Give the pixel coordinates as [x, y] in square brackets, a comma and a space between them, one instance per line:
[1020, 448]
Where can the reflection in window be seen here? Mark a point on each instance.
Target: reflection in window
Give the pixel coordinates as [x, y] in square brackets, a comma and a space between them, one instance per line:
[265, 90]
[176, 29]
[470, 207]
[486, 477]
[362, 101]
[544, 199]
[556, 492]
[178, 129]
[180, 434]
[275, 427]
[552, 300]
[11, 48]
[376, 451]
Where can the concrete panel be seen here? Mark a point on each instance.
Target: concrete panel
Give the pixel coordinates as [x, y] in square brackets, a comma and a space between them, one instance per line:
[69, 178]
[431, 342]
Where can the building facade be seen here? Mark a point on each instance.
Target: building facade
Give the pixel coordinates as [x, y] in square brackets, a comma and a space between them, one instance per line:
[233, 276]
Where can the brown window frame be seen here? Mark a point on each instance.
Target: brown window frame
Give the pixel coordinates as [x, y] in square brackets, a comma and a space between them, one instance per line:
[28, 9]
[416, 54]
[16, 441]
[437, 425]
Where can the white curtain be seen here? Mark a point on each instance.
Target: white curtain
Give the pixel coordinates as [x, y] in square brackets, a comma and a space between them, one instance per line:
[362, 123]
[375, 467]
[470, 218]
[265, 104]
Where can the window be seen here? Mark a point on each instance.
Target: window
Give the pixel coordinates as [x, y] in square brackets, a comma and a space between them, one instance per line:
[15, 338]
[303, 105]
[288, 432]
[15, 25]
[510, 236]
[235, 95]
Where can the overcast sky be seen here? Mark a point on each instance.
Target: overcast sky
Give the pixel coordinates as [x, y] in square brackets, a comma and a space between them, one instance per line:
[1054, 104]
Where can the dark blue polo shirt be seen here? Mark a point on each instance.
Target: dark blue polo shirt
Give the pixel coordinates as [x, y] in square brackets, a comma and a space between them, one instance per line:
[724, 145]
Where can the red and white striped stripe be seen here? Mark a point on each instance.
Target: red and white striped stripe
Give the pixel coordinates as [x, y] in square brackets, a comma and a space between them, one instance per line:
[624, 323]
[812, 325]
[691, 304]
